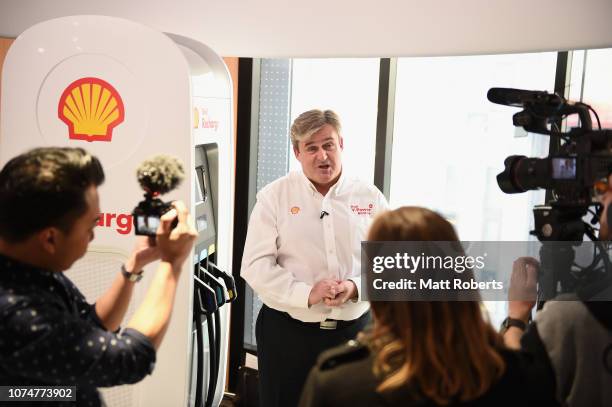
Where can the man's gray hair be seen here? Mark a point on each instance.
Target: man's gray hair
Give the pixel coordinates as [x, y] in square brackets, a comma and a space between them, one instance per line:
[308, 123]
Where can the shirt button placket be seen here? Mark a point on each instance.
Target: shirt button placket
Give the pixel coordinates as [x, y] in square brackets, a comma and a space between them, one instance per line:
[330, 244]
[328, 234]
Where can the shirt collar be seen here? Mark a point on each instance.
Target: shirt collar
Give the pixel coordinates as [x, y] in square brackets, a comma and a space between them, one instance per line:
[10, 264]
[335, 189]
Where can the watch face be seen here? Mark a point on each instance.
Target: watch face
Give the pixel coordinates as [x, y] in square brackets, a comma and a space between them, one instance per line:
[135, 277]
[517, 323]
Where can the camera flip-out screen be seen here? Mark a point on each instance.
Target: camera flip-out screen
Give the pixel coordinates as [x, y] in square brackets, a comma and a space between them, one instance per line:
[563, 168]
[147, 224]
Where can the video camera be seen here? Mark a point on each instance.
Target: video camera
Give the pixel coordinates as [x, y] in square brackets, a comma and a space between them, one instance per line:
[575, 173]
[156, 176]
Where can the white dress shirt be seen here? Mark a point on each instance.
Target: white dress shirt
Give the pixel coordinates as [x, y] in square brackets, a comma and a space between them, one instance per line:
[290, 246]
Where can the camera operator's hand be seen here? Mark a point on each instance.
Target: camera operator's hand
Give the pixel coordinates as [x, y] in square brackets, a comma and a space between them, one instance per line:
[523, 291]
[605, 199]
[145, 251]
[175, 243]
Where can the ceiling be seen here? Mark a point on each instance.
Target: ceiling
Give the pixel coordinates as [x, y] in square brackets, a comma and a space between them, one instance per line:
[349, 28]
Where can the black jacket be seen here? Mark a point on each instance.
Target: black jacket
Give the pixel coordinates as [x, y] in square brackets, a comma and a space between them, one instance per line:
[343, 376]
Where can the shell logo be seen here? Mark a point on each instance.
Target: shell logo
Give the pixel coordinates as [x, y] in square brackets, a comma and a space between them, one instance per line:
[196, 117]
[91, 108]
[295, 210]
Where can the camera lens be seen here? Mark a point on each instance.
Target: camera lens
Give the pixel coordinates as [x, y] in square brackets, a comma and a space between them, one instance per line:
[523, 174]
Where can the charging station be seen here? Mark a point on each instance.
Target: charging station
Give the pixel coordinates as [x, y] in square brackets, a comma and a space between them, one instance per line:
[125, 92]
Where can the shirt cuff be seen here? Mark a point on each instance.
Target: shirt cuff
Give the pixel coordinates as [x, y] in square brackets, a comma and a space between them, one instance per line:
[299, 298]
[357, 281]
[145, 346]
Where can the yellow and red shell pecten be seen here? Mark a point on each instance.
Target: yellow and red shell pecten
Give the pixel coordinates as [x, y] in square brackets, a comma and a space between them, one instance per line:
[91, 108]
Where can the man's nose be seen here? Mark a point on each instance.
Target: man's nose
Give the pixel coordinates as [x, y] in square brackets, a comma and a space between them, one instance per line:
[322, 155]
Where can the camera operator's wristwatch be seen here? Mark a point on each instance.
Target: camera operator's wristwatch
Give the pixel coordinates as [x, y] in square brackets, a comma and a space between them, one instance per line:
[509, 322]
[133, 277]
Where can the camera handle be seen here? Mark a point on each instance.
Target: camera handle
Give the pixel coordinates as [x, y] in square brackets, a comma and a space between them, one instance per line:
[559, 228]
[556, 259]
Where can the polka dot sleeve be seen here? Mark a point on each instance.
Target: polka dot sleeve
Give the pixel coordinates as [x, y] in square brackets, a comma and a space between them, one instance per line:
[50, 345]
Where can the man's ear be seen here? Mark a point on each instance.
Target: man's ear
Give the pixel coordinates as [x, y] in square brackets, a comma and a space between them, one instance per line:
[341, 142]
[48, 239]
[296, 151]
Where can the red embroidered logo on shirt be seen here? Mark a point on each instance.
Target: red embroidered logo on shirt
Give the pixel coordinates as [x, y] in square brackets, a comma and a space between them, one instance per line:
[295, 210]
[357, 210]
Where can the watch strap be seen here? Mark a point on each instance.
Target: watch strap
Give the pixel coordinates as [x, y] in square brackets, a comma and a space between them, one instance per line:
[133, 277]
[513, 322]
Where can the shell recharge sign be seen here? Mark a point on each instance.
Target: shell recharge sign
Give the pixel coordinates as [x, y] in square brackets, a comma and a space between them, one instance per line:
[91, 108]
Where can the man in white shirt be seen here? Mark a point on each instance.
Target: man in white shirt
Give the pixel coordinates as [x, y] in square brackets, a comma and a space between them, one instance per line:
[302, 257]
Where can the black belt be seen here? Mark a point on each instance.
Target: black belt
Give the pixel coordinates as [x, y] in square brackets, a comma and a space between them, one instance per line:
[328, 324]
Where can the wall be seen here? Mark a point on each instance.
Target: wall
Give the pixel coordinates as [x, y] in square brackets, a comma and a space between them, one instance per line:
[232, 66]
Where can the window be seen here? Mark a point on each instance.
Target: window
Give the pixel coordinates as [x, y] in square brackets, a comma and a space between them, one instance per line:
[591, 82]
[449, 142]
[350, 88]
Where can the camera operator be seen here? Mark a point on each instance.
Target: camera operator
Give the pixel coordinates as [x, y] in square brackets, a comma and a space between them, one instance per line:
[49, 334]
[571, 337]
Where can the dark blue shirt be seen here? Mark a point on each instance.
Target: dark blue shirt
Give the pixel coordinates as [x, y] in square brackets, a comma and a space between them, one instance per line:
[50, 335]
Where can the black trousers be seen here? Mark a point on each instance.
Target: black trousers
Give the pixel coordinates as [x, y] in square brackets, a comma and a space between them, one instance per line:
[287, 349]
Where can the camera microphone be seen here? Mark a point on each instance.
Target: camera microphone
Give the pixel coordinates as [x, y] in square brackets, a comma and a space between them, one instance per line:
[520, 97]
[160, 174]
[323, 214]
[156, 176]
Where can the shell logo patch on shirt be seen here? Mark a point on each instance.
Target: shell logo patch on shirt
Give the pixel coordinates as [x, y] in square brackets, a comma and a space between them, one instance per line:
[295, 210]
[365, 210]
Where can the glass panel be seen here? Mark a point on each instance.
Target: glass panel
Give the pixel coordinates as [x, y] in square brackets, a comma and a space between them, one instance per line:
[450, 142]
[576, 75]
[597, 80]
[350, 88]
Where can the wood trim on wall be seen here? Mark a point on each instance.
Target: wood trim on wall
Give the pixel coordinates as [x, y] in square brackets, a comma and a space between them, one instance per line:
[232, 66]
[5, 43]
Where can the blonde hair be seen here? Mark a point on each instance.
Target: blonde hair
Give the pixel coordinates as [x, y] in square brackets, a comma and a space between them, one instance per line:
[445, 350]
[308, 123]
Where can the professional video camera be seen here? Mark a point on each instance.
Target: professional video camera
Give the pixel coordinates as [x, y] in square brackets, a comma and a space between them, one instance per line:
[575, 173]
